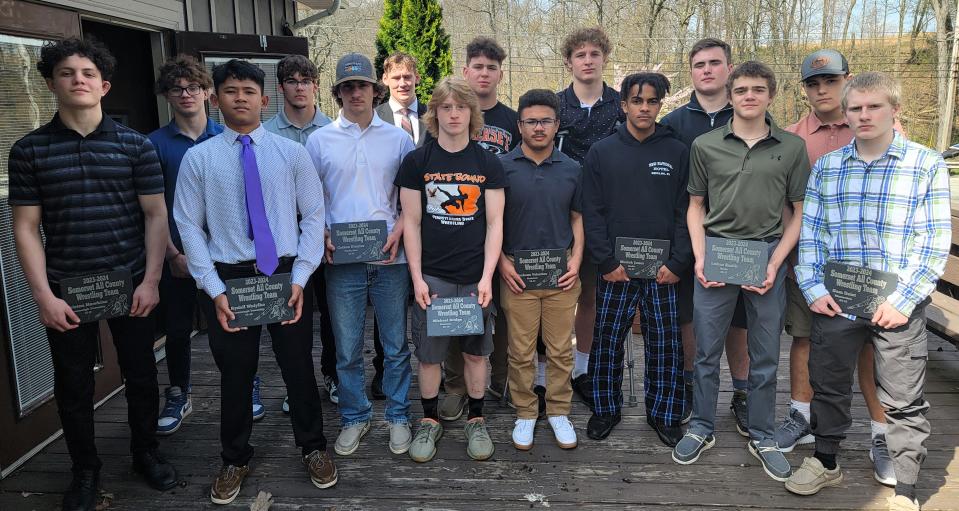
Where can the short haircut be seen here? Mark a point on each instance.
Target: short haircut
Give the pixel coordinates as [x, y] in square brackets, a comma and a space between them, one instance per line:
[379, 92]
[482, 46]
[292, 64]
[711, 42]
[538, 97]
[398, 59]
[657, 81]
[182, 66]
[753, 69]
[873, 82]
[56, 52]
[590, 35]
[239, 70]
[456, 88]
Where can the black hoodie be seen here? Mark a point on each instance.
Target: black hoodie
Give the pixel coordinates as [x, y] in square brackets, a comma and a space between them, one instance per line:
[637, 190]
[691, 120]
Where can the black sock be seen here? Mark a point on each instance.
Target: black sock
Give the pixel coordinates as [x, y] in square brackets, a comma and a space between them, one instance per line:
[906, 490]
[429, 408]
[476, 408]
[828, 460]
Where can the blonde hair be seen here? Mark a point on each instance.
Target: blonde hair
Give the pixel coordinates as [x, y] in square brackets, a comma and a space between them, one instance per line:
[873, 82]
[399, 59]
[456, 88]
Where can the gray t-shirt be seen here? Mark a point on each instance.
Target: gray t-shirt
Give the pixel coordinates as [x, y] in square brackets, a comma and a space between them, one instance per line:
[539, 200]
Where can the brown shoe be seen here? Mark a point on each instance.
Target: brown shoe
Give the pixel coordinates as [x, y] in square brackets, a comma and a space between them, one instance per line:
[227, 484]
[321, 467]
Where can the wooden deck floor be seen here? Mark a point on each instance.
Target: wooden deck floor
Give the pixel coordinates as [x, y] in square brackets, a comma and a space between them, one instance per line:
[630, 470]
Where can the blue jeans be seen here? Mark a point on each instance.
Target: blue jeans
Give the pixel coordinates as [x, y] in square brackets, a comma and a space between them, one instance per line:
[388, 287]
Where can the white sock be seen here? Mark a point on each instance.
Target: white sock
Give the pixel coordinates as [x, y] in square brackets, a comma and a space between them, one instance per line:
[540, 374]
[800, 407]
[878, 428]
[580, 363]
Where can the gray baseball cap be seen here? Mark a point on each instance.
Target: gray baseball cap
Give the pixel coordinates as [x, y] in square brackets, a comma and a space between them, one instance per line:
[354, 66]
[824, 62]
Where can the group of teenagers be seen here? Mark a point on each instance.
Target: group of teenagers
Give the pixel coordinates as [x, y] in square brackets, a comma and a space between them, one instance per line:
[463, 183]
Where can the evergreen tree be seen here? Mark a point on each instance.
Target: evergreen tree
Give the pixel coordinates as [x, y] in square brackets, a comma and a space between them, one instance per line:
[389, 33]
[423, 37]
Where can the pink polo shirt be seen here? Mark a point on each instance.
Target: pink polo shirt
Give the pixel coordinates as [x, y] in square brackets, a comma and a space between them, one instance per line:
[824, 138]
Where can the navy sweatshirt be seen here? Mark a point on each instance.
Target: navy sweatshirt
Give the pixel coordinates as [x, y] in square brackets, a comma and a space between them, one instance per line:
[690, 120]
[637, 190]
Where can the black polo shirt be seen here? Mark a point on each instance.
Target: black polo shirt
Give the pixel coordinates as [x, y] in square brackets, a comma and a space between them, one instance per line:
[87, 189]
[580, 127]
[538, 201]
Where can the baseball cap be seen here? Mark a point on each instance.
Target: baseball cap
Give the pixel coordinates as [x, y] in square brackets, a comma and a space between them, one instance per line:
[354, 66]
[824, 62]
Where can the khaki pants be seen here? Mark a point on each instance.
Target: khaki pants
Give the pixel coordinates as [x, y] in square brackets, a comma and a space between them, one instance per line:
[554, 310]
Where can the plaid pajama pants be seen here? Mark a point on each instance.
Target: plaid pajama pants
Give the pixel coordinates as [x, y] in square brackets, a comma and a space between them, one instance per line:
[616, 304]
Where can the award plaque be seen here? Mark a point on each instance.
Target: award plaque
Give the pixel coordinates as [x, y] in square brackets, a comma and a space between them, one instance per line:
[540, 269]
[740, 262]
[454, 316]
[359, 242]
[101, 296]
[641, 257]
[857, 290]
[260, 300]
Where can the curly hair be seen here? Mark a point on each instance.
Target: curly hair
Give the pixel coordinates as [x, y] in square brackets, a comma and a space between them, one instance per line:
[292, 64]
[456, 88]
[56, 52]
[398, 59]
[182, 66]
[657, 81]
[482, 46]
[590, 35]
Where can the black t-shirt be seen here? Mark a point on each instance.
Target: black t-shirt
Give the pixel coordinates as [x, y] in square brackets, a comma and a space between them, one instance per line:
[453, 228]
[500, 130]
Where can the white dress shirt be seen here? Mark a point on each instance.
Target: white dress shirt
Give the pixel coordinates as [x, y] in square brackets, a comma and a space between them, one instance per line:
[357, 168]
[413, 115]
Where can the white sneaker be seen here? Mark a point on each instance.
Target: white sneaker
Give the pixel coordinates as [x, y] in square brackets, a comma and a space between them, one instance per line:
[563, 430]
[523, 434]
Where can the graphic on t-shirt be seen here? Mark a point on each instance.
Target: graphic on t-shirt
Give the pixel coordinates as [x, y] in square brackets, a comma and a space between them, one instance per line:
[494, 139]
[452, 203]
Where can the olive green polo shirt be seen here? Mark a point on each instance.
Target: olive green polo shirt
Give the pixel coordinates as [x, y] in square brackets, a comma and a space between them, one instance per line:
[746, 187]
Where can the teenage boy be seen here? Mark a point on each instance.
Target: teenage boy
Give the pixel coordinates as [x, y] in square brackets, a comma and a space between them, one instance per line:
[880, 202]
[635, 187]
[96, 189]
[296, 78]
[403, 110]
[825, 129]
[710, 62]
[500, 134]
[589, 111]
[357, 157]
[237, 202]
[451, 192]
[543, 211]
[741, 177]
[186, 85]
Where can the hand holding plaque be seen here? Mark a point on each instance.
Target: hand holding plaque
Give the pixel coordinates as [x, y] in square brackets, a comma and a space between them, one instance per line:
[359, 242]
[101, 296]
[641, 258]
[540, 269]
[260, 300]
[739, 262]
[857, 290]
[454, 316]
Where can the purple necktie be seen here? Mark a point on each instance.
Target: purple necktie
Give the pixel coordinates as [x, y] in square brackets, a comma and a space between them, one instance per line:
[266, 259]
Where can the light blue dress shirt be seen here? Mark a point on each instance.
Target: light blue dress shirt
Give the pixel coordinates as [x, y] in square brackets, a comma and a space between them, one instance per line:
[210, 205]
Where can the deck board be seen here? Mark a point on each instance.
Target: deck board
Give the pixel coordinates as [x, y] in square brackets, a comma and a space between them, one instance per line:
[630, 470]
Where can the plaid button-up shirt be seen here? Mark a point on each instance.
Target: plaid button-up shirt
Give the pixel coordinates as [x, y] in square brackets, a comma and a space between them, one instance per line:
[890, 215]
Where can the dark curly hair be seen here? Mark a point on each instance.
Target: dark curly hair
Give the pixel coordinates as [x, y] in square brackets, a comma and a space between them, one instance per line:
[183, 66]
[657, 81]
[538, 97]
[56, 52]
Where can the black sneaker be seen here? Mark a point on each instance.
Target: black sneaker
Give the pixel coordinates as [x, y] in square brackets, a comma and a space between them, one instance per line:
[540, 392]
[688, 403]
[82, 493]
[740, 413]
[582, 387]
[157, 472]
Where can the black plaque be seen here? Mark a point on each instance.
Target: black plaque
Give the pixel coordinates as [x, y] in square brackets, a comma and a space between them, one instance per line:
[359, 242]
[101, 296]
[540, 269]
[641, 258]
[454, 316]
[857, 290]
[740, 262]
[260, 300]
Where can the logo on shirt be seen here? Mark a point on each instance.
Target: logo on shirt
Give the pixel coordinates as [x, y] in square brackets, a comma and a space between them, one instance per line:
[494, 139]
[660, 168]
[455, 202]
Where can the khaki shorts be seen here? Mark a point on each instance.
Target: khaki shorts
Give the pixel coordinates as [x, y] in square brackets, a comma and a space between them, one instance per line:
[798, 315]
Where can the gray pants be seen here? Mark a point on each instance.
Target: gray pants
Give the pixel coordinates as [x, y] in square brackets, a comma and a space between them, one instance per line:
[712, 312]
[900, 361]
